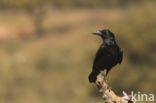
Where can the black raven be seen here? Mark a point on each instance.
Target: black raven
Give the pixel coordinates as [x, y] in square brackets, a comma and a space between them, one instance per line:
[108, 55]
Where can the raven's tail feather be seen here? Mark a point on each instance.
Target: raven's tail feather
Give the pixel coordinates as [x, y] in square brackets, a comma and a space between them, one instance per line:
[93, 76]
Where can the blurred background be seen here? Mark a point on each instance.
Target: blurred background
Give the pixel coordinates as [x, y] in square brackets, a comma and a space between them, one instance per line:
[47, 50]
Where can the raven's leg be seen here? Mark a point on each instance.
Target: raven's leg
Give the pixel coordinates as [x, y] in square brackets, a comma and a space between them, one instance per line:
[105, 74]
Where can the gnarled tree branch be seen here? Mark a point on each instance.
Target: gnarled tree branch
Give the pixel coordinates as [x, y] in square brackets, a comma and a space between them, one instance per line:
[107, 94]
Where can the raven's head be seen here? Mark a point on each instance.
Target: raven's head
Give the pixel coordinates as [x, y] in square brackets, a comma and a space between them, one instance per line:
[105, 34]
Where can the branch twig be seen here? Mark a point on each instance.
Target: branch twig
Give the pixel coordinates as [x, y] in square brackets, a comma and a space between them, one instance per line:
[107, 94]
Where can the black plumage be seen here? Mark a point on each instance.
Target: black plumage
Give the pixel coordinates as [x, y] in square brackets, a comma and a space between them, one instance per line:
[108, 55]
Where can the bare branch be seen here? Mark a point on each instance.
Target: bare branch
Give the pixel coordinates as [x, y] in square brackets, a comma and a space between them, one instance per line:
[107, 94]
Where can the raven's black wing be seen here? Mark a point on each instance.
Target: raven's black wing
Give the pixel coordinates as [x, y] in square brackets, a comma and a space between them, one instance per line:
[120, 56]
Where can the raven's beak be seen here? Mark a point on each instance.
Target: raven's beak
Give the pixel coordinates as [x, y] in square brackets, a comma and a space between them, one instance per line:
[97, 33]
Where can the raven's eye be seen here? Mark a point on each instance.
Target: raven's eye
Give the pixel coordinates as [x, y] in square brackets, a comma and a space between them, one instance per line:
[104, 36]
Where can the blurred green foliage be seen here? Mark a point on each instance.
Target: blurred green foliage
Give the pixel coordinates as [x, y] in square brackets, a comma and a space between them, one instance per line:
[70, 3]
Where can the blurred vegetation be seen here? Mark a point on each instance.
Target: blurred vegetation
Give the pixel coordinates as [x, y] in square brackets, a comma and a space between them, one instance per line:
[54, 68]
[70, 3]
